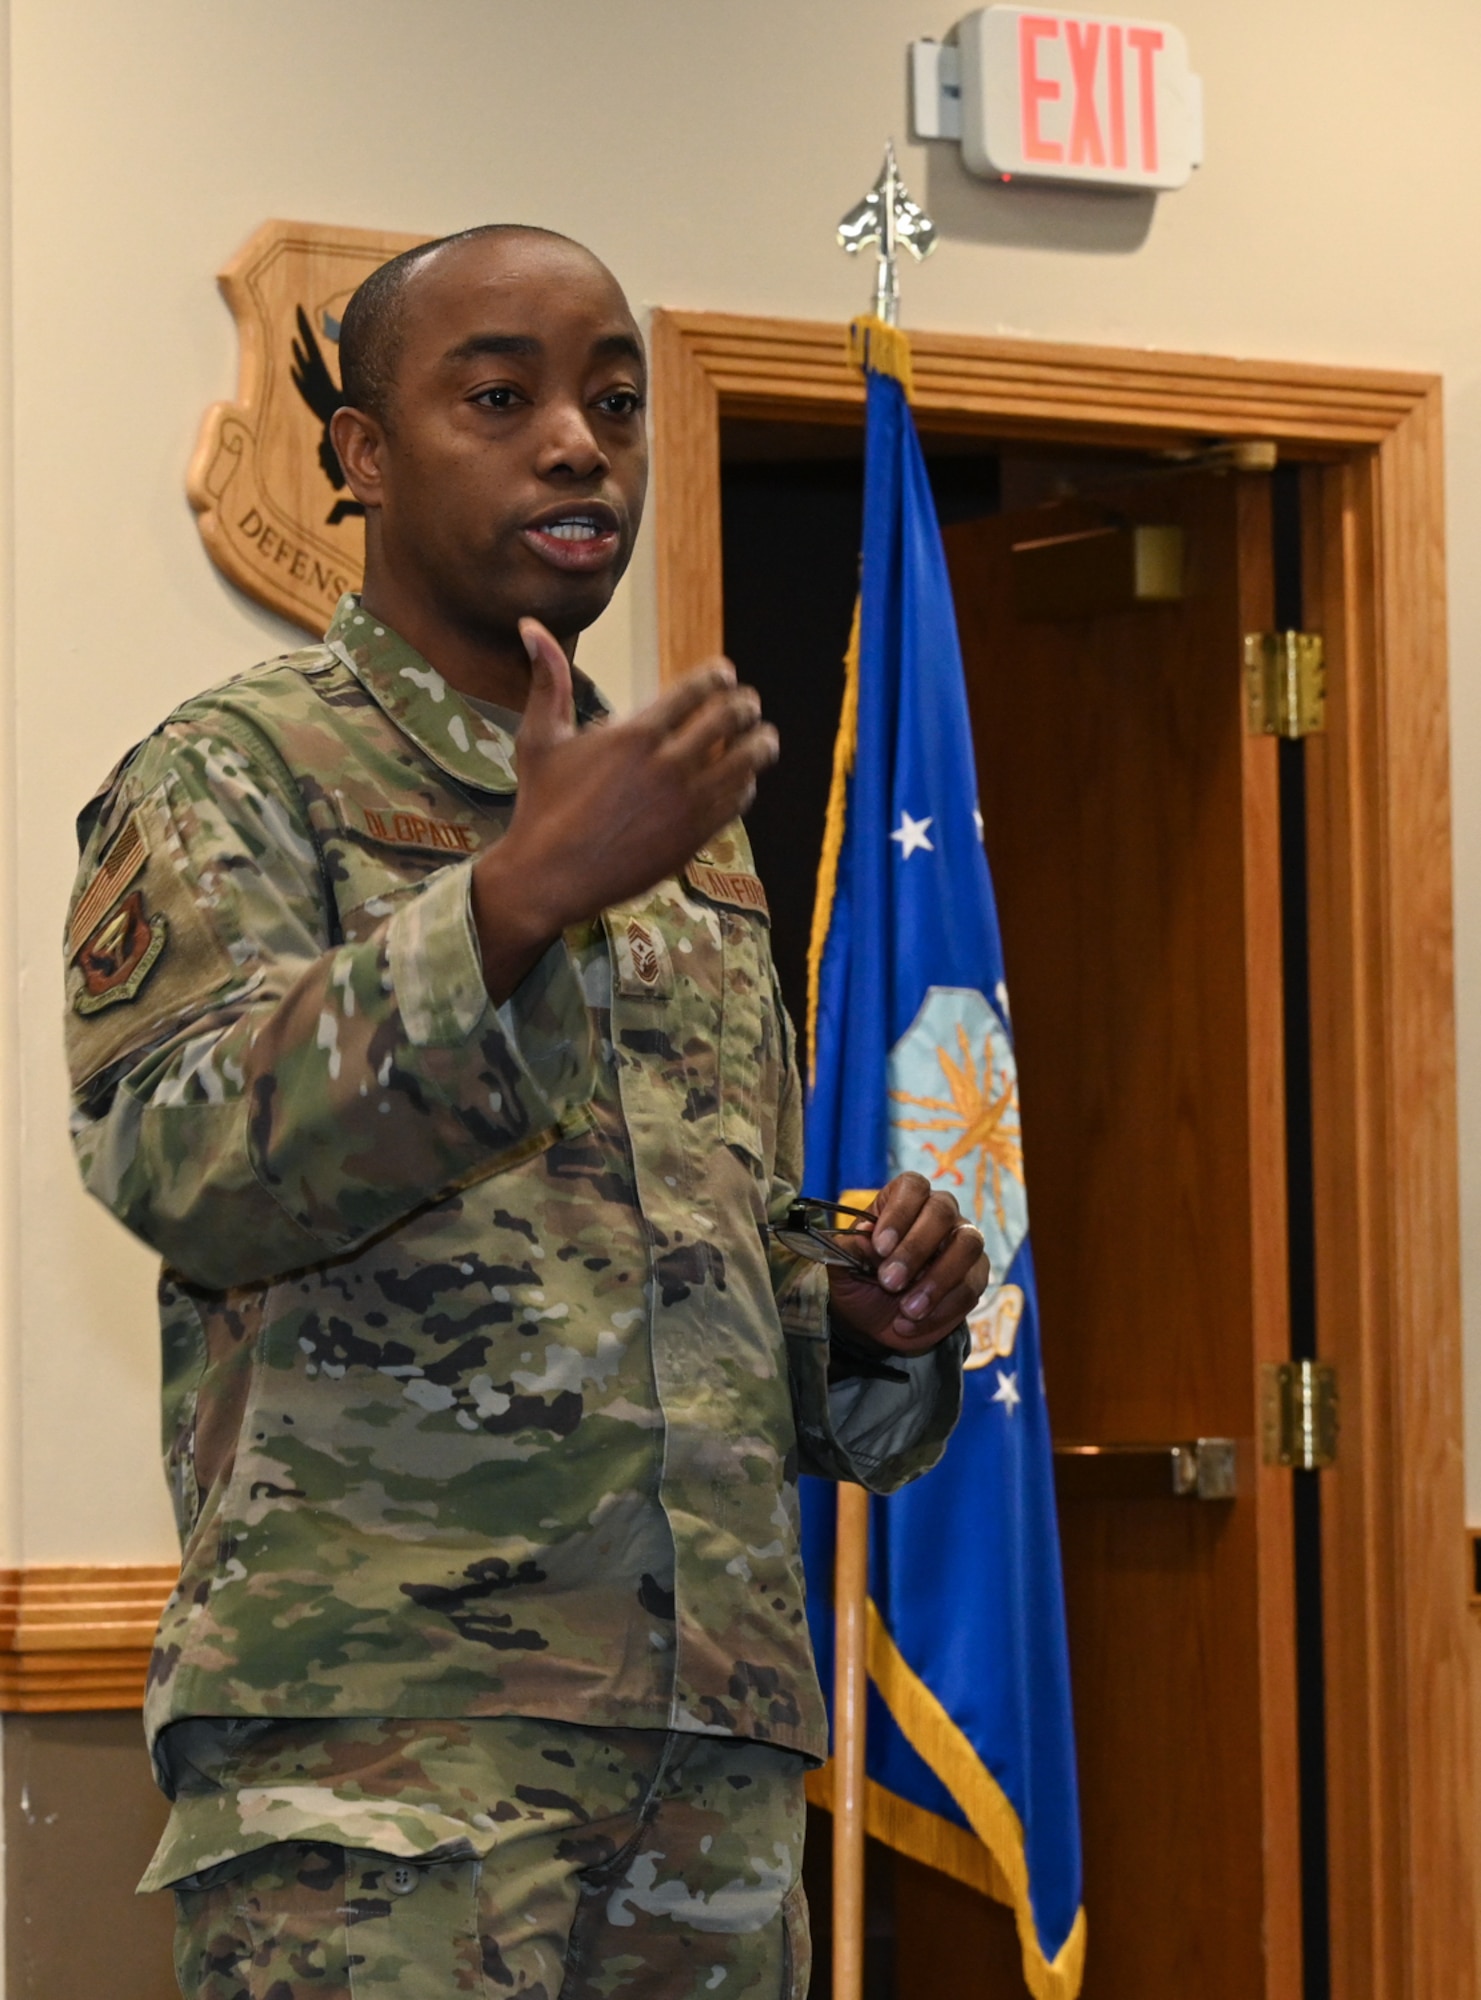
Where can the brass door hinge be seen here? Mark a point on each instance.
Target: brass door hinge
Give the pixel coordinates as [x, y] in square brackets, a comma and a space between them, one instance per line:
[1285, 680]
[1298, 1417]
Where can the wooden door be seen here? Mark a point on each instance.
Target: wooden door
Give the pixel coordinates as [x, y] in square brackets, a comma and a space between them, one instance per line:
[1401, 1645]
[1132, 826]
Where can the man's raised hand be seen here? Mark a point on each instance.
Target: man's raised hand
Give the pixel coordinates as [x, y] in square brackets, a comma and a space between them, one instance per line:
[605, 813]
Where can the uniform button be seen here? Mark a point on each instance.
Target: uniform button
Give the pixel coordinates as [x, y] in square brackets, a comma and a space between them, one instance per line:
[403, 1880]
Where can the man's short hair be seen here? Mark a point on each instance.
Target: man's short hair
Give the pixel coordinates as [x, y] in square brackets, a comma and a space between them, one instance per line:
[372, 329]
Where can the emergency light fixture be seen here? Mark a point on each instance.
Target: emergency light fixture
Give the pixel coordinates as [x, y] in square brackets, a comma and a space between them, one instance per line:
[1094, 100]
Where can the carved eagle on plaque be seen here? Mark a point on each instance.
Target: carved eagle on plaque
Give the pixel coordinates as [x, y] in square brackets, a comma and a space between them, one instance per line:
[318, 388]
[266, 483]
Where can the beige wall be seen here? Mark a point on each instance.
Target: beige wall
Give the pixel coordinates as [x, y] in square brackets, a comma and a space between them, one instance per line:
[706, 150]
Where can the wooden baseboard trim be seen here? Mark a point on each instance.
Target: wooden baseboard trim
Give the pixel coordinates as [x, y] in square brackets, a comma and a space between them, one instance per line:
[78, 1635]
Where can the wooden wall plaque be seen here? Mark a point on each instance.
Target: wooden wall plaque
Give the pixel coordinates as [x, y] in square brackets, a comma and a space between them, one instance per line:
[271, 503]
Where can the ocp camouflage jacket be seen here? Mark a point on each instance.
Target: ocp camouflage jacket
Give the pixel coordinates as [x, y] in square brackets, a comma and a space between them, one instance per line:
[485, 1390]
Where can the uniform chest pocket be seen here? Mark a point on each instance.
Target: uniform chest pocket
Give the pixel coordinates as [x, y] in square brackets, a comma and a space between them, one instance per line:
[379, 846]
[372, 873]
[749, 1048]
[363, 907]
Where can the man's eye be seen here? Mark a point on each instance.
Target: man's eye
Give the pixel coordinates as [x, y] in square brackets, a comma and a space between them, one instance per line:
[500, 397]
[620, 403]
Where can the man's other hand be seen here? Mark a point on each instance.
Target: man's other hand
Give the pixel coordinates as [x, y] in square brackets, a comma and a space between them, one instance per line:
[930, 1270]
[603, 814]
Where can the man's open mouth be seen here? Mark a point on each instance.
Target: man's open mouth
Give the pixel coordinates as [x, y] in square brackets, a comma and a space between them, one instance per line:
[575, 538]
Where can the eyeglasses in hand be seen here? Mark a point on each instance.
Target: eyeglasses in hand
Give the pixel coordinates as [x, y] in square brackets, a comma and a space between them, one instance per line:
[810, 1229]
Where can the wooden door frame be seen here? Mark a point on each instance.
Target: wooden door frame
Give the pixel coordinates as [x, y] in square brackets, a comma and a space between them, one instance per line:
[1398, 1637]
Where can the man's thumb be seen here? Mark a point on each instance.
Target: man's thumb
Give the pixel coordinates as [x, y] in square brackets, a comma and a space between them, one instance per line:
[549, 715]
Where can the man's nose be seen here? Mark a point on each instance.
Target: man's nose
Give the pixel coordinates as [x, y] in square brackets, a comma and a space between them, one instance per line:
[569, 444]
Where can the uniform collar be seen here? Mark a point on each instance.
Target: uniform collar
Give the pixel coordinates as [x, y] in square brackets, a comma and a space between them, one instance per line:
[426, 708]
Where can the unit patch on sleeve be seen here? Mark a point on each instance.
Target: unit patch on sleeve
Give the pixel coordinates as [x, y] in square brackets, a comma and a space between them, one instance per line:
[119, 956]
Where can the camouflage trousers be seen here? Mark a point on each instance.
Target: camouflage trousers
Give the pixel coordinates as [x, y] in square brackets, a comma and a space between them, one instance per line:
[628, 1865]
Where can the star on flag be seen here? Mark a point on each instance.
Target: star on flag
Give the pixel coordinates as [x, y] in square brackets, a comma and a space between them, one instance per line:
[911, 834]
[1006, 1392]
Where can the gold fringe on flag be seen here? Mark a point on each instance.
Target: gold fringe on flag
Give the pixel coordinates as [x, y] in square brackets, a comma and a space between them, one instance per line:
[919, 1835]
[845, 745]
[938, 1741]
[884, 349]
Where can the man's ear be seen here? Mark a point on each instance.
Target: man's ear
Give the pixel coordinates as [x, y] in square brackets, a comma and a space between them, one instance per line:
[359, 440]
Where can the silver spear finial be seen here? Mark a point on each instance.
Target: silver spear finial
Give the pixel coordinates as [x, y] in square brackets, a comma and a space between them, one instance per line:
[886, 218]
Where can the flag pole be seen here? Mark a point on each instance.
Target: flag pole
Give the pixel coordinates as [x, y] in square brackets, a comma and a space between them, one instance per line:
[850, 1698]
[885, 221]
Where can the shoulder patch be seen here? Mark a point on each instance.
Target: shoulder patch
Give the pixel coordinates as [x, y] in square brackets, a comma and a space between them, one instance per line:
[126, 855]
[120, 955]
[738, 889]
[149, 957]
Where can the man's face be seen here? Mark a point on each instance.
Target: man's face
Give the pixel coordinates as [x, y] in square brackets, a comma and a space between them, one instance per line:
[510, 474]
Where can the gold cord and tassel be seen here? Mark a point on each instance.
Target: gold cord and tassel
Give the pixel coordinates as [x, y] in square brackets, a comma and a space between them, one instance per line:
[875, 346]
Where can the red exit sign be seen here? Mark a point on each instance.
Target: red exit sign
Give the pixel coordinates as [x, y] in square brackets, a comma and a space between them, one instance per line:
[1100, 99]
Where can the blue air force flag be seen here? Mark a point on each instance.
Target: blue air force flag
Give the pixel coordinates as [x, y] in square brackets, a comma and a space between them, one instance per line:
[971, 1763]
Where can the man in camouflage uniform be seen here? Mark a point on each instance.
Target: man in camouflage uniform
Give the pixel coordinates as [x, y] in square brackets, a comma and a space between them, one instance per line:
[460, 1114]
